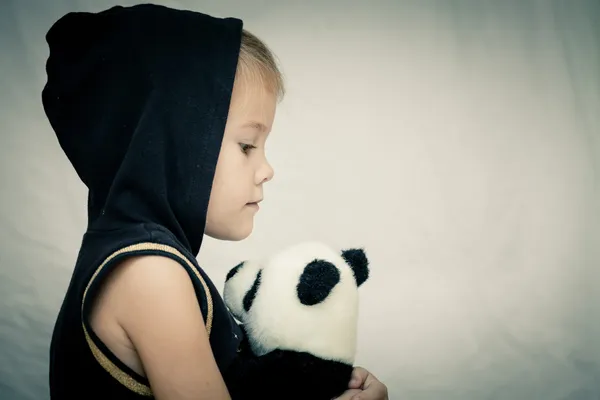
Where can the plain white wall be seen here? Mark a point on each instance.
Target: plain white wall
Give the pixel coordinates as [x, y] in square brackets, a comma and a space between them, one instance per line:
[458, 141]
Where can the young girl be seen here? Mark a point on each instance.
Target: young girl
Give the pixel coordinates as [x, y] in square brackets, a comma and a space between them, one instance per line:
[164, 115]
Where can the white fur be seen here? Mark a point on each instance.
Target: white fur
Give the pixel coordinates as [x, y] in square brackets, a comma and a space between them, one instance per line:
[277, 319]
[237, 286]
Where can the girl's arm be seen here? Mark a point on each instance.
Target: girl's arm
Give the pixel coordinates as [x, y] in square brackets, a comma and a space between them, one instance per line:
[158, 310]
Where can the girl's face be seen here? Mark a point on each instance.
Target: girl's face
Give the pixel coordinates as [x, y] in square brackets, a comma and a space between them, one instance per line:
[242, 167]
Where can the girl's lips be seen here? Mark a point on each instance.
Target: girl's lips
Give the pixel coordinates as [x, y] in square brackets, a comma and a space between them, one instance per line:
[253, 205]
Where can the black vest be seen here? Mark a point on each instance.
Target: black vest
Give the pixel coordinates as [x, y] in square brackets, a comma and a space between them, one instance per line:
[81, 367]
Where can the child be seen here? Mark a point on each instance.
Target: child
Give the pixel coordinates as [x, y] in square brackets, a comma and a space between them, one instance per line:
[164, 115]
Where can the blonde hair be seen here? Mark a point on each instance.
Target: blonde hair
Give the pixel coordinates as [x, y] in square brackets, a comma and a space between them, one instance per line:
[257, 62]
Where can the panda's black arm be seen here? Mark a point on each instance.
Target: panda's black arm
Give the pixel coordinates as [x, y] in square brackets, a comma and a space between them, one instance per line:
[247, 377]
[286, 374]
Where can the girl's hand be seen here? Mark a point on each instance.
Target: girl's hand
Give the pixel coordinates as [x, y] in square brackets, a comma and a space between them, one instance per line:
[364, 386]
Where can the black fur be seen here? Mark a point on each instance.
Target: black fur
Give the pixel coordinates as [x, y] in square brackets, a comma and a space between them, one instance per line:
[289, 375]
[317, 281]
[357, 259]
[233, 271]
[249, 297]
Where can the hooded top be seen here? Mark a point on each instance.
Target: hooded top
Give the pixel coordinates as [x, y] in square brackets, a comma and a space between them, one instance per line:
[138, 98]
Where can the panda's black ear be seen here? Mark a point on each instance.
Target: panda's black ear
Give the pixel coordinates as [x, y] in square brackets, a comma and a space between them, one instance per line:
[358, 261]
[233, 271]
[251, 294]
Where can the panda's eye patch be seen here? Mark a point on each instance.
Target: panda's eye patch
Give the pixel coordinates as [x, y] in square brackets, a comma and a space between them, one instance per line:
[249, 297]
[317, 281]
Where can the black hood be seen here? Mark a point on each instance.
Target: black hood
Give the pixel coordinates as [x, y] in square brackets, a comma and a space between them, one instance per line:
[138, 97]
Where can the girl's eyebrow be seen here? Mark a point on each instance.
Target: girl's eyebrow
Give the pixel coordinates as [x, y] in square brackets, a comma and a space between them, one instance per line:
[256, 125]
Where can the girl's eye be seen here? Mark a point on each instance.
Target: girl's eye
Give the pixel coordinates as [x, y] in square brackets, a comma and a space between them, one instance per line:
[246, 147]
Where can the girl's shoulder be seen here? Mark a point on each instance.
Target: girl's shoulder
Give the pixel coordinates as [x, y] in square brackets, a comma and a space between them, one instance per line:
[140, 283]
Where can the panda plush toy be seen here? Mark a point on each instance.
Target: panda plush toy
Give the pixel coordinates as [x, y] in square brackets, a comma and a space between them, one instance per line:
[299, 313]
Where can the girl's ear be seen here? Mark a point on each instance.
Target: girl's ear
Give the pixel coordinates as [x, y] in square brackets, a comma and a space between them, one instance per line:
[358, 261]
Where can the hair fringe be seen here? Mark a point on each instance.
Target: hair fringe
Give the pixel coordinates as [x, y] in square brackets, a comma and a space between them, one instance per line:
[257, 61]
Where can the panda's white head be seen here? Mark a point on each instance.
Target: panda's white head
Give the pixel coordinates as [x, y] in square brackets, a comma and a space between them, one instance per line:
[304, 298]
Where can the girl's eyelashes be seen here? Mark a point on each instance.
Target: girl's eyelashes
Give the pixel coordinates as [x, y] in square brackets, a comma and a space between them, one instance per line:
[246, 147]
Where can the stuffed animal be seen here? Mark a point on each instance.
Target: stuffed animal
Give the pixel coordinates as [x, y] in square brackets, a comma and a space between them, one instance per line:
[299, 312]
